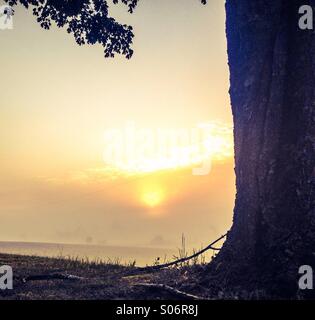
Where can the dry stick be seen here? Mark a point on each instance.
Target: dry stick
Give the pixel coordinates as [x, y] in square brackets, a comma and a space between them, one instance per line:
[177, 293]
[169, 264]
[53, 276]
[173, 291]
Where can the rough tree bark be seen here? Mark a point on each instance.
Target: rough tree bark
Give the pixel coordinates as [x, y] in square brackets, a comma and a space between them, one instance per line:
[272, 74]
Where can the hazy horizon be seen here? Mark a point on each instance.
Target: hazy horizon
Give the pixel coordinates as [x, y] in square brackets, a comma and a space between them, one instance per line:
[59, 99]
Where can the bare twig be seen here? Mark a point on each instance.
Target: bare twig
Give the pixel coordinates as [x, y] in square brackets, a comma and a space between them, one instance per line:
[166, 265]
[53, 276]
[163, 287]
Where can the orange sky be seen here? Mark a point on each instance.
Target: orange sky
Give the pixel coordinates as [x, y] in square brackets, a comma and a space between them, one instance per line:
[58, 100]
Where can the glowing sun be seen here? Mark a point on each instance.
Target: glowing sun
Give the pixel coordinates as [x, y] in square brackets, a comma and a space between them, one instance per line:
[152, 197]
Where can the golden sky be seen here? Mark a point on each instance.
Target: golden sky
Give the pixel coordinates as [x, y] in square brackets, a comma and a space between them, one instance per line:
[57, 102]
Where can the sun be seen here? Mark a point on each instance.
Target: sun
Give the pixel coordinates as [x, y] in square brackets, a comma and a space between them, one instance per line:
[152, 197]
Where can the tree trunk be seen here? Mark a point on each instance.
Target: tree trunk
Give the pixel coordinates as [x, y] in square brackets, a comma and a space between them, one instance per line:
[272, 74]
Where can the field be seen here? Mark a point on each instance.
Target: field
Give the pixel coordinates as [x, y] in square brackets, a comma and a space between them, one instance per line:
[37, 278]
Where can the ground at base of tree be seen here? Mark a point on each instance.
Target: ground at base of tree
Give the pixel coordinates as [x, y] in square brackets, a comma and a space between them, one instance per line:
[37, 278]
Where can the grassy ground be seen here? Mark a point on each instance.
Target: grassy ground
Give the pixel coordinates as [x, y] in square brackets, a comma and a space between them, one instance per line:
[99, 280]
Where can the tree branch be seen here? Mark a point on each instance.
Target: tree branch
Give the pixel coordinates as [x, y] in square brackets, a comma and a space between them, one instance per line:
[166, 265]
